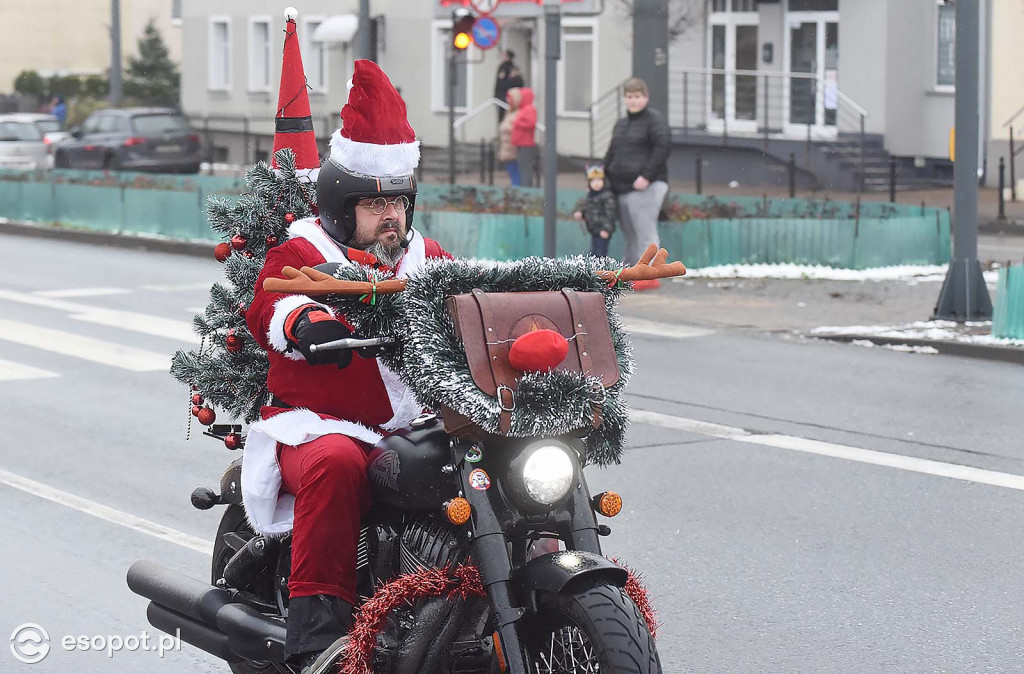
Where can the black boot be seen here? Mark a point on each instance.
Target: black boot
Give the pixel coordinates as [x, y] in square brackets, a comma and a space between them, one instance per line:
[314, 624]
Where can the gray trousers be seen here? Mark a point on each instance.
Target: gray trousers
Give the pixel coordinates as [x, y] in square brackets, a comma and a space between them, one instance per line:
[526, 157]
[638, 213]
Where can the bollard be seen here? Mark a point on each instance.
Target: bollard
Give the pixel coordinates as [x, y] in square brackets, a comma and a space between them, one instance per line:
[1002, 188]
[892, 179]
[792, 175]
[483, 161]
[699, 175]
[490, 163]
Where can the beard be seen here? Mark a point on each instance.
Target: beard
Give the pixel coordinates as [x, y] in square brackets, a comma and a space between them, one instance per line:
[387, 254]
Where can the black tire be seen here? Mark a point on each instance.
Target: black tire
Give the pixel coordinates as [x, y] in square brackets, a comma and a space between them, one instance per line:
[601, 616]
[234, 520]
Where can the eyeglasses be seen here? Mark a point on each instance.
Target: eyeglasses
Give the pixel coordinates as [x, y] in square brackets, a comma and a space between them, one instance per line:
[378, 205]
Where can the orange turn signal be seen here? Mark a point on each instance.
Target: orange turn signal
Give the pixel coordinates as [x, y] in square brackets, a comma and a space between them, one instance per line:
[608, 503]
[457, 510]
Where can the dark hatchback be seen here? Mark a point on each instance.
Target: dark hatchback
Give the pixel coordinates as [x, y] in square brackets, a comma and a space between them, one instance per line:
[132, 139]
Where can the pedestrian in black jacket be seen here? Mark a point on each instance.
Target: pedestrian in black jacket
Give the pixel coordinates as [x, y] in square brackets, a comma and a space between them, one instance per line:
[637, 168]
[599, 211]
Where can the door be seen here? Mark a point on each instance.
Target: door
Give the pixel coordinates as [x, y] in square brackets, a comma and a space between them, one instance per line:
[813, 60]
[732, 95]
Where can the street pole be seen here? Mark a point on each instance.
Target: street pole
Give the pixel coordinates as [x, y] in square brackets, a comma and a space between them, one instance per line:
[964, 295]
[363, 48]
[452, 74]
[115, 53]
[552, 52]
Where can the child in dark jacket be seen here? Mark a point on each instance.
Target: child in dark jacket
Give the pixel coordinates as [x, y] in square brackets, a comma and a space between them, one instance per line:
[599, 211]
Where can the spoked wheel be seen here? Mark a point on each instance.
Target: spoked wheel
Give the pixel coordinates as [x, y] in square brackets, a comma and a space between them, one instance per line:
[593, 628]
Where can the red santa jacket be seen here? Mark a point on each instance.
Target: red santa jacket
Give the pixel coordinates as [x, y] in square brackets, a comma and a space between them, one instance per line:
[362, 400]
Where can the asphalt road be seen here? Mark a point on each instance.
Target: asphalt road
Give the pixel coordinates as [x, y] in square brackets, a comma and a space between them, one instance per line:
[795, 505]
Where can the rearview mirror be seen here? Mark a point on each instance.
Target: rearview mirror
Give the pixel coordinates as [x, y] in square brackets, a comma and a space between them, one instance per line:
[76, 132]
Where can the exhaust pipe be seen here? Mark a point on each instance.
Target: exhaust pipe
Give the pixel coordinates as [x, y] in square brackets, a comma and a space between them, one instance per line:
[207, 616]
[191, 632]
[184, 595]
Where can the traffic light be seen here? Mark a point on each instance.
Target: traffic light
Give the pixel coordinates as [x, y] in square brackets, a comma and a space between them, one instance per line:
[462, 30]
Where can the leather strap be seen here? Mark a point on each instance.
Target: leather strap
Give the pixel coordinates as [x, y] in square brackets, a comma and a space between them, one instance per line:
[506, 397]
[579, 330]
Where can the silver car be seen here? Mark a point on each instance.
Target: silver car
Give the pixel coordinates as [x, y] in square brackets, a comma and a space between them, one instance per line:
[23, 140]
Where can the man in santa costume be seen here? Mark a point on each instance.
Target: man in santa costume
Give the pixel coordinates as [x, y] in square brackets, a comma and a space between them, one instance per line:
[305, 462]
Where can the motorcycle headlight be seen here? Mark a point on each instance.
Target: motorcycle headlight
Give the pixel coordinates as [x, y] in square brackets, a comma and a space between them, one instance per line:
[548, 473]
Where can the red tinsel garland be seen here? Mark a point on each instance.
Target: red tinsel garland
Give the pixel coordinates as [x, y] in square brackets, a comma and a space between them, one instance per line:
[460, 581]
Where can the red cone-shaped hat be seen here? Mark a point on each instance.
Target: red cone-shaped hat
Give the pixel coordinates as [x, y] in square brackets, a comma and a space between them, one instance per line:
[375, 137]
[294, 123]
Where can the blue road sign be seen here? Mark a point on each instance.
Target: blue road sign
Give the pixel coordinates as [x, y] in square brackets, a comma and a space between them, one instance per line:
[485, 32]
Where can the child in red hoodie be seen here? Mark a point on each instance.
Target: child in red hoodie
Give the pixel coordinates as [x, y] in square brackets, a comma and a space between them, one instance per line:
[521, 100]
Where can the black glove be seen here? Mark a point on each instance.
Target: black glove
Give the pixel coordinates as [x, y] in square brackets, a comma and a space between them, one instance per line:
[316, 326]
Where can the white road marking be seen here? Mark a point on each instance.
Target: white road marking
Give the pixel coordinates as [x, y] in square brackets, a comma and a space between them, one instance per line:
[87, 348]
[858, 454]
[640, 326]
[10, 371]
[106, 513]
[127, 320]
[82, 292]
[201, 285]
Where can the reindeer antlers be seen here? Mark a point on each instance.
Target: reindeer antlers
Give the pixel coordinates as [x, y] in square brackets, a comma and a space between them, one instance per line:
[309, 281]
[653, 264]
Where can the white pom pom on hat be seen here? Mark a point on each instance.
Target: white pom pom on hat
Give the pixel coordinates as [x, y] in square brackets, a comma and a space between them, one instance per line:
[290, 13]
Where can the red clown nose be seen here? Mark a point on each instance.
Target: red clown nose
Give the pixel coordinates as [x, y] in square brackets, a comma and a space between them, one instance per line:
[538, 351]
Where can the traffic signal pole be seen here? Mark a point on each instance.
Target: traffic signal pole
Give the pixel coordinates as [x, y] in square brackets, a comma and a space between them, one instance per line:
[452, 74]
[552, 52]
[964, 295]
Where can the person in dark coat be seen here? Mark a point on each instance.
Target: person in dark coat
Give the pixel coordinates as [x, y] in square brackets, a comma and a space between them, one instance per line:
[637, 168]
[509, 77]
[599, 211]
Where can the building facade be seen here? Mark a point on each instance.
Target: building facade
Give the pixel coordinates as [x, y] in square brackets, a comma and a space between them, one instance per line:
[231, 70]
[73, 38]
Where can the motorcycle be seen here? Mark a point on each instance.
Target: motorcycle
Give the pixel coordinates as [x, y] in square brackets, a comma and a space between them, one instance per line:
[482, 551]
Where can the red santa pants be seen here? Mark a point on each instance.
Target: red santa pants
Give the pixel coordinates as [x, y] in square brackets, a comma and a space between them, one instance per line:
[327, 476]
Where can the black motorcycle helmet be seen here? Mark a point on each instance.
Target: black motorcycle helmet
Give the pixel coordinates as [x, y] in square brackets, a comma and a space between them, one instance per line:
[338, 190]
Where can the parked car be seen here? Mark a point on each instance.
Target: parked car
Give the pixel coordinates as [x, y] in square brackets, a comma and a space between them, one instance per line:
[132, 139]
[23, 140]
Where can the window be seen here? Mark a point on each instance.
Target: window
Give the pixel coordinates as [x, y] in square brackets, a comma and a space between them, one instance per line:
[734, 5]
[314, 55]
[92, 125]
[219, 57]
[111, 124]
[441, 45]
[259, 53]
[945, 70]
[176, 10]
[814, 5]
[155, 125]
[578, 59]
[19, 131]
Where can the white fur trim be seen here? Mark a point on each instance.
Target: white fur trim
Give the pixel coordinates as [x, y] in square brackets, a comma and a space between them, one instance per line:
[283, 307]
[308, 229]
[399, 159]
[269, 511]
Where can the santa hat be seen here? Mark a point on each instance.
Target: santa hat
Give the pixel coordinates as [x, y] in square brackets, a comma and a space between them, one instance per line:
[375, 137]
[293, 126]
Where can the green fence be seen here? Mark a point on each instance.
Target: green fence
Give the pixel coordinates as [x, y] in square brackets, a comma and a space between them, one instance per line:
[495, 223]
[1008, 316]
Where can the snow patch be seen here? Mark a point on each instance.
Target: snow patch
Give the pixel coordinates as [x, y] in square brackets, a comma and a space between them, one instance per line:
[939, 331]
[911, 273]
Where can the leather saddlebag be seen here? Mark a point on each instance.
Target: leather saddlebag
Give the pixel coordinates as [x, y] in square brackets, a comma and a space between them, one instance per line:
[488, 324]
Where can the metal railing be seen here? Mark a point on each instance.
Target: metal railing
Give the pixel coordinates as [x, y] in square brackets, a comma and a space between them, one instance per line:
[717, 103]
[1014, 151]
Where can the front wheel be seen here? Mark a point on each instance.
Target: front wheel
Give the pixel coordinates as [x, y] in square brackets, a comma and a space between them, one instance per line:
[594, 627]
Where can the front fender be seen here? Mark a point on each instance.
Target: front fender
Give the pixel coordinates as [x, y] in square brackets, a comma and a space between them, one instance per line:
[231, 483]
[554, 572]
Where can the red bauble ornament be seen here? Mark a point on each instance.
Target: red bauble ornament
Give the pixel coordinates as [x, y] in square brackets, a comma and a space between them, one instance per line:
[538, 351]
[271, 240]
[238, 242]
[222, 251]
[248, 254]
[197, 399]
[196, 409]
[232, 440]
[234, 343]
[206, 416]
[242, 309]
[289, 218]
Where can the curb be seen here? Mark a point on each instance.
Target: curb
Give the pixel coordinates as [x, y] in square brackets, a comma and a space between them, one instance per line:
[191, 248]
[1004, 354]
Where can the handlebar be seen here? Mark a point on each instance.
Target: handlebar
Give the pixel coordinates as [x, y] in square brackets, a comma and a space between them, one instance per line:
[351, 343]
